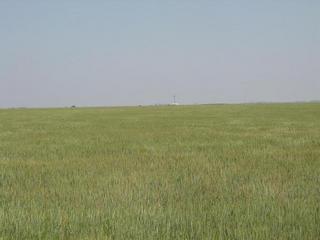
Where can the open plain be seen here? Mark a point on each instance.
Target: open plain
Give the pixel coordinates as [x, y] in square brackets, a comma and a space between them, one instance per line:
[248, 171]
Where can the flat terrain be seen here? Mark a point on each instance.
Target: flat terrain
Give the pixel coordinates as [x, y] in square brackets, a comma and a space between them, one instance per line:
[178, 172]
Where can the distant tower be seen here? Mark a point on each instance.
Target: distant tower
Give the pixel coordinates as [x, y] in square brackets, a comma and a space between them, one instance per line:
[174, 101]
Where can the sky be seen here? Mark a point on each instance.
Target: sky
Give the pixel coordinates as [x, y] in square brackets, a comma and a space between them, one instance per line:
[112, 53]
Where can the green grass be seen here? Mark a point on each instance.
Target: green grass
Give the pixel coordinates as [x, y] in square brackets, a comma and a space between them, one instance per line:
[187, 172]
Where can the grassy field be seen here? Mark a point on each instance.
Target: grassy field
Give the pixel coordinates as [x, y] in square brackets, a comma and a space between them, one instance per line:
[186, 172]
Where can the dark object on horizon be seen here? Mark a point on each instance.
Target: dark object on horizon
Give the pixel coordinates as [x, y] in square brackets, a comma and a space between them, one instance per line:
[73, 106]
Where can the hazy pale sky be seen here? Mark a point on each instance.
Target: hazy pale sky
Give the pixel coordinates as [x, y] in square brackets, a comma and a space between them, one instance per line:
[81, 52]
